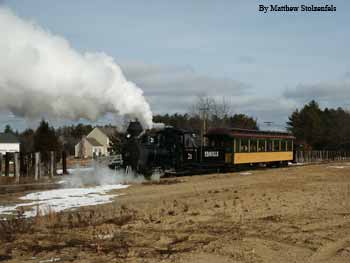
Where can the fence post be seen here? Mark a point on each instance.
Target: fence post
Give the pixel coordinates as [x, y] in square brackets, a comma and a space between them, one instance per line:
[29, 163]
[55, 164]
[64, 163]
[37, 166]
[7, 164]
[52, 166]
[17, 167]
[0, 164]
[22, 164]
[296, 156]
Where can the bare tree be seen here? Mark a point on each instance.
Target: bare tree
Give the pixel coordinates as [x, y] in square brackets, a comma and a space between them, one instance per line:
[212, 110]
[202, 106]
[224, 108]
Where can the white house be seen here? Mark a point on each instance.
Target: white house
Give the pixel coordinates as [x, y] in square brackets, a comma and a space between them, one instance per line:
[96, 143]
[9, 143]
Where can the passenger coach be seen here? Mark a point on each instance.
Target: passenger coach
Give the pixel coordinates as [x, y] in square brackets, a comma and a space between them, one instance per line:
[243, 147]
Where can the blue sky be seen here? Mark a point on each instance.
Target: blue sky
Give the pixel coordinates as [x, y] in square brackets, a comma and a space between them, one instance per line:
[266, 64]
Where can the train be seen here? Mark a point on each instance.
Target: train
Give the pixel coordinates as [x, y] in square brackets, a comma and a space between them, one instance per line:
[177, 151]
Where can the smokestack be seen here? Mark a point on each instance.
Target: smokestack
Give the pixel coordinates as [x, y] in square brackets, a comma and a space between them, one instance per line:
[41, 75]
[134, 129]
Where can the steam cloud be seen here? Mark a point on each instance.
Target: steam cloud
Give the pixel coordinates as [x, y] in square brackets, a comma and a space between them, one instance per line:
[42, 75]
[99, 174]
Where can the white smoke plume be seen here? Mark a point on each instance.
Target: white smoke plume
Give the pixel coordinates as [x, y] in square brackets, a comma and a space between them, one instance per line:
[99, 174]
[42, 75]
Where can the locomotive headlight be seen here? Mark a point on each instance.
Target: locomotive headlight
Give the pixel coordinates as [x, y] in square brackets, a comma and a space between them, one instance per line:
[128, 136]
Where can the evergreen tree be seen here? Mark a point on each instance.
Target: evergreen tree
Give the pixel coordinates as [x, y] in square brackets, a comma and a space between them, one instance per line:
[8, 129]
[27, 141]
[327, 129]
[242, 121]
[45, 140]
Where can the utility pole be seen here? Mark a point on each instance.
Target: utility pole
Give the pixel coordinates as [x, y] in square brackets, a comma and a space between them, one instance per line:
[204, 111]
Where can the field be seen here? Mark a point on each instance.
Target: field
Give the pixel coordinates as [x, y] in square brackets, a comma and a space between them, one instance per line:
[295, 214]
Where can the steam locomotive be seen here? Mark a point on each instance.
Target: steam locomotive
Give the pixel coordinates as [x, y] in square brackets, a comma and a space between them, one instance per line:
[177, 151]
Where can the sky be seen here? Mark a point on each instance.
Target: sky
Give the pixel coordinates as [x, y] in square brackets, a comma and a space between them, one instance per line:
[265, 65]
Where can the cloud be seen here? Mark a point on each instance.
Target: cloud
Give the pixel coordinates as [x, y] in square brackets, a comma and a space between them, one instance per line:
[246, 60]
[174, 88]
[331, 93]
[171, 89]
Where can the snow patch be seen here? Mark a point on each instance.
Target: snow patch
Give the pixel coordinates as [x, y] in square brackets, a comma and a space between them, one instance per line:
[335, 166]
[295, 164]
[61, 199]
[245, 173]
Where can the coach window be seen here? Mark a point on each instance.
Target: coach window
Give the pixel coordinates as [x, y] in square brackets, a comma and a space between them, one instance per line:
[253, 145]
[289, 145]
[276, 145]
[283, 145]
[244, 145]
[269, 145]
[261, 145]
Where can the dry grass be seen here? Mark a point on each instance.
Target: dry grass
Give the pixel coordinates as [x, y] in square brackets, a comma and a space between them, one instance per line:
[93, 231]
[14, 226]
[163, 182]
[265, 217]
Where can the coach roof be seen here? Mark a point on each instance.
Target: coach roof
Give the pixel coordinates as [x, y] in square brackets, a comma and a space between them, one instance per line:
[236, 132]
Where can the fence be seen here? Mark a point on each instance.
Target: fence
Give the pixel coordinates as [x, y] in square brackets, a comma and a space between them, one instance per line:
[320, 156]
[34, 165]
[108, 159]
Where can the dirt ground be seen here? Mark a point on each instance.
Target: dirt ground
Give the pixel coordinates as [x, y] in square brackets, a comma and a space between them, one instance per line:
[294, 214]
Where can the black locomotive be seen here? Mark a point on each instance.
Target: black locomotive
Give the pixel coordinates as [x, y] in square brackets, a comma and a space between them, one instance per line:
[169, 149]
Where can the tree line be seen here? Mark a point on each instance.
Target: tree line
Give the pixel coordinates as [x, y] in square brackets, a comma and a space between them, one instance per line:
[313, 127]
[46, 138]
[320, 129]
[215, 113]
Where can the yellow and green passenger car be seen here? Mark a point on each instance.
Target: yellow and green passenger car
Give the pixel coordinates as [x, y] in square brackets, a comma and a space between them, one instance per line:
[249, 147]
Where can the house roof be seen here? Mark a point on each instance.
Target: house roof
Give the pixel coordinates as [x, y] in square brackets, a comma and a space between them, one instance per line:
[108, 131]
[8, 138]
[93, 142]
